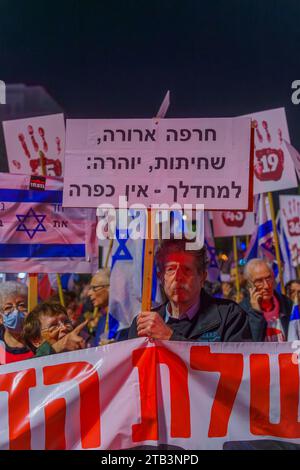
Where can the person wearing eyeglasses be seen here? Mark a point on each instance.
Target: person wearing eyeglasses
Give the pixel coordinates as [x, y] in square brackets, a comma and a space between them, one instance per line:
[48, 330]
[190, 313]
[268, 311]
[292, 289]
[13, 310]
[104, 326]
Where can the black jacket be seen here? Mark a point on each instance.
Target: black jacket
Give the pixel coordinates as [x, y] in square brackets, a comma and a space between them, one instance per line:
[216, 320]
[257, 321]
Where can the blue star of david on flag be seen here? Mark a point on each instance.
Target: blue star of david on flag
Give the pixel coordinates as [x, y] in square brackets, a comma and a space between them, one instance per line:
[30, 217]
[122, 253]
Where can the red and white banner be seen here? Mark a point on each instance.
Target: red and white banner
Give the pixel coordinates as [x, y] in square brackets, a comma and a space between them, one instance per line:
[137, 392]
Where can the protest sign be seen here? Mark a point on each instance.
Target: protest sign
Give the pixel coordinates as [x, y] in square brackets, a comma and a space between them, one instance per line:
[37, 234]
[158, 161]
[30, 140]
[136, 393]
[233, 223]
[273, 166]
[290, 218]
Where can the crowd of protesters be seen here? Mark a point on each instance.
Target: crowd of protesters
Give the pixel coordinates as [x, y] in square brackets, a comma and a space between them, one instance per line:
[84, 320]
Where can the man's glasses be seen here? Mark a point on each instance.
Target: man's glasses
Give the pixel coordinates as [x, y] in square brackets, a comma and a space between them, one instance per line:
[171, 269]
[60, 324]
[9, 308]
[260, 282]
[98, 288]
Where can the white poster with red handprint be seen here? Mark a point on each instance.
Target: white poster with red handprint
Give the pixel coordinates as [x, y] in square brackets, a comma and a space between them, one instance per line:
[290, 218]
[233, 223]
[34, 143]
[273, 166]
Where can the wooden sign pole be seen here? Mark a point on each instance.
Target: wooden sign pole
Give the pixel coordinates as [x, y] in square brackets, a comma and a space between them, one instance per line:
[236, 261]
[276, 242]
[32, 291]
[148, 262]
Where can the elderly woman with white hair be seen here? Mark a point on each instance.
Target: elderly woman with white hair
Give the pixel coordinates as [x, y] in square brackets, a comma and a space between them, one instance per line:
[13, 309]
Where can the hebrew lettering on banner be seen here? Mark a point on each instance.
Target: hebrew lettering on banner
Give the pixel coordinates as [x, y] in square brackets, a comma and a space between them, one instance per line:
[158, 161]
[208, 394]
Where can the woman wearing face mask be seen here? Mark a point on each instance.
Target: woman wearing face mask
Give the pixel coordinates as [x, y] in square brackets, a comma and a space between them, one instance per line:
[13, 309]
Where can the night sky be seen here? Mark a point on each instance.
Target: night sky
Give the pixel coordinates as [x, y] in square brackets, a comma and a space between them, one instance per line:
[111, 59]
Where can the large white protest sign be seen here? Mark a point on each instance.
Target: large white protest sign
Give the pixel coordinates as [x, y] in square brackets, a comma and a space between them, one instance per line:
[37, 234]
[273, 166]
[136, 393]
[290, 218]
[156, 161]
[233, 223]
[30, 140]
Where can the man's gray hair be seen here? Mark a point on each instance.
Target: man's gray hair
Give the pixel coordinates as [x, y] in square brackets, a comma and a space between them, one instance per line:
[105, 275]
[11, 288]
[253, 263]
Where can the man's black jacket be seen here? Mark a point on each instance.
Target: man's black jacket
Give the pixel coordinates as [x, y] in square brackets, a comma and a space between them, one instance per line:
[257, 321]
[216, 320]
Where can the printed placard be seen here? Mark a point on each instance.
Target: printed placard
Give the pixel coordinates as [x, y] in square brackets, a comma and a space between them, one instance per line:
[158, 161]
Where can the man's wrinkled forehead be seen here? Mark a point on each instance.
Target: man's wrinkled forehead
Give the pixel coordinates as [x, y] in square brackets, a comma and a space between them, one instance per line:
[181, 258]
[259, 270]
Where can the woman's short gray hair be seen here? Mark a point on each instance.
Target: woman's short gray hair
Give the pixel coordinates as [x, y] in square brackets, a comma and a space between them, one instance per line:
[11, 288]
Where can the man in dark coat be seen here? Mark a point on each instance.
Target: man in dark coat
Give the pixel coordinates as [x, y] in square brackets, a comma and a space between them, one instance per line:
[267, 310]
[189, 314]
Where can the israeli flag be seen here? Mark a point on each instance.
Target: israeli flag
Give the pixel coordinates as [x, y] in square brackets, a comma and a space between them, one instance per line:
[126, 280]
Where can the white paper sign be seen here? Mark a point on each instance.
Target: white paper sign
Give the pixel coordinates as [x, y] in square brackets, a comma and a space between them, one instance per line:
[273, 166]
[290, 217]
[156, 161]
[233, 223]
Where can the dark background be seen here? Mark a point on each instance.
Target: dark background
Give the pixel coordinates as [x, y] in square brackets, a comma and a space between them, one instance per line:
[112, 59]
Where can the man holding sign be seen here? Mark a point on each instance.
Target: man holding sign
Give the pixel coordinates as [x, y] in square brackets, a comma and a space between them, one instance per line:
[189, 314]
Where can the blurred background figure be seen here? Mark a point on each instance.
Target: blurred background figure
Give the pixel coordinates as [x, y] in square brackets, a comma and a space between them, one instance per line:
[103, 327]
[100, 322]
[13, 308]
[240, 273]
[226, 285]
[232, 295]
[73, 306]
[292, 290]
